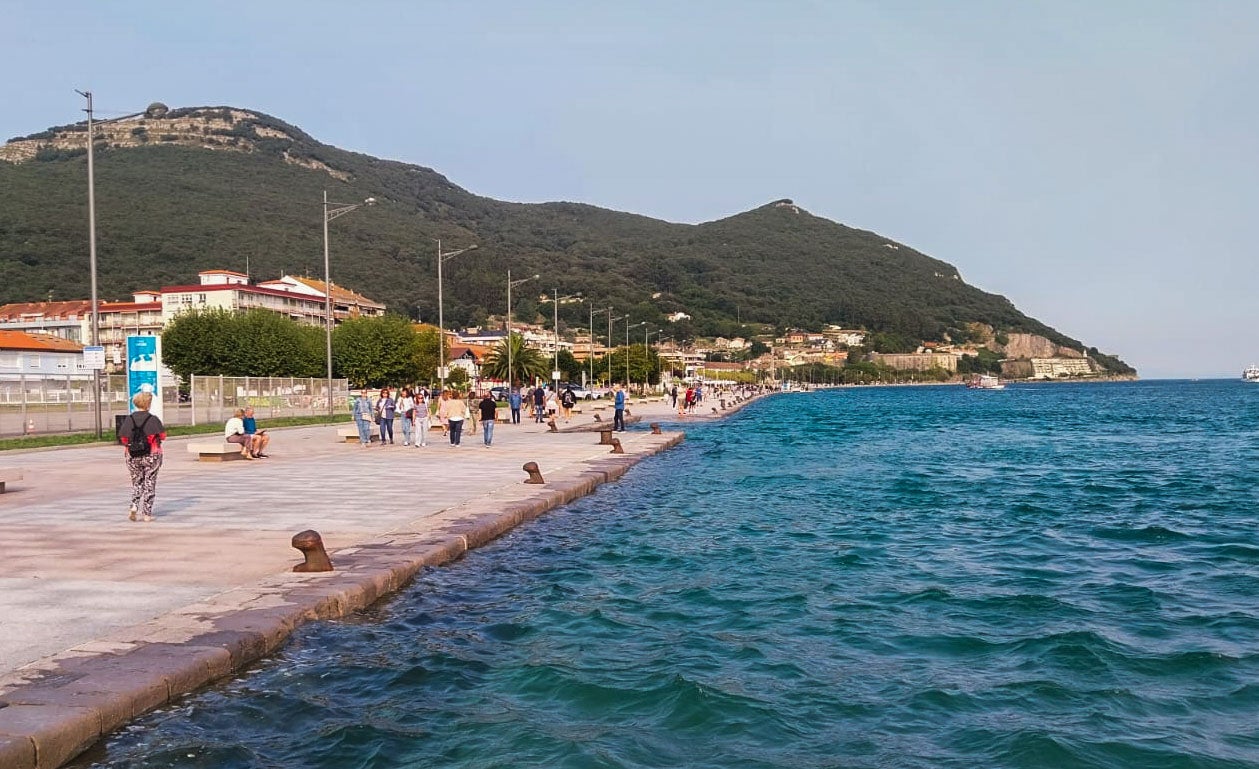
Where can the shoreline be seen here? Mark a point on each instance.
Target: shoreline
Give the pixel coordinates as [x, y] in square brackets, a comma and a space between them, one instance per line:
[53, 709]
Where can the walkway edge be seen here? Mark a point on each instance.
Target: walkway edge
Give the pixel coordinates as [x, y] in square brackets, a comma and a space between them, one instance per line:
[81, 696]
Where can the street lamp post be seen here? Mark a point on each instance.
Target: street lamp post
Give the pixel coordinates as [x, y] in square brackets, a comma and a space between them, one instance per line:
[91, 255]
[591, 351]
[441, 318]
[555, 319]
[612, 320]
[627, 347]
[329, 214]
[647, 357]
[510, 283]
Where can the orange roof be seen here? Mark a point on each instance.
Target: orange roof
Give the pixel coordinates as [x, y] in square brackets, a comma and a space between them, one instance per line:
[70, 309]
[338, 293]
[223, 272]
[18, 340]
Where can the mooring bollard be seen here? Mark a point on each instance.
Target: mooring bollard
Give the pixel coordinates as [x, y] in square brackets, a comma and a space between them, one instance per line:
[723, 403]
[605, 437]
[655, 428]
[311, 546]
[616, 446]
[535, 475]
[551, 428]
[714, 409]
[598, 418]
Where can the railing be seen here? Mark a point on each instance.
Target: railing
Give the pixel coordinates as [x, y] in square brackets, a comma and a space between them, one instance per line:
[63, 404]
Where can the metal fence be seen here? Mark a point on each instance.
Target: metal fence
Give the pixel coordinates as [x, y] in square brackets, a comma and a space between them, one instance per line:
[43, 405]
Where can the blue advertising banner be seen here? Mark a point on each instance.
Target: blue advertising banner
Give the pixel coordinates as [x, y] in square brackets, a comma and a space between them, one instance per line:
[144, 361]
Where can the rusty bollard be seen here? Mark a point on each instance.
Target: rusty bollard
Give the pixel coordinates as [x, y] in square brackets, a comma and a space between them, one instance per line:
[598, 418]
[714, 410]
[723, 403]
[605, 437]
[616, 446]
[535, 475]
[311, 545]
[551, 427]
[655, 428]
[627, 411]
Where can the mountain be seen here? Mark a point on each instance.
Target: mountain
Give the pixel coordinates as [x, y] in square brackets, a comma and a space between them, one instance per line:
[184, 190]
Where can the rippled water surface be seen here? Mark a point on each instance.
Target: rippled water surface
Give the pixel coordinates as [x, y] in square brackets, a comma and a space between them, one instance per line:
[1050, 576]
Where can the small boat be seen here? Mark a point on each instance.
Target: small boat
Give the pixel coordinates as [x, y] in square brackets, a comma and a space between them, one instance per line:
[1251, 374]
[985, 382]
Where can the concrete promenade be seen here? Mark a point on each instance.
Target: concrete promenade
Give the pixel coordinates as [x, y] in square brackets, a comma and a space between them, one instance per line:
[105, 619]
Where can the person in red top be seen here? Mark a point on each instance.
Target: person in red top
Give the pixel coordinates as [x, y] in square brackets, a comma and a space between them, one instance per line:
[144, 457]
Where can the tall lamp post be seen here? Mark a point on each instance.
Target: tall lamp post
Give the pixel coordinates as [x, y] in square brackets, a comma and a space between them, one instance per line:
[332, 211]
[647, 357]
[91, 254]
[555, 300]
[627, 347]
[511, 283]
[591, 351]
[442, 258]
[612, 320]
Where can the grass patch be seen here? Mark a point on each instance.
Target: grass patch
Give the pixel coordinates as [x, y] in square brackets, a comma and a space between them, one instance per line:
[82, 439]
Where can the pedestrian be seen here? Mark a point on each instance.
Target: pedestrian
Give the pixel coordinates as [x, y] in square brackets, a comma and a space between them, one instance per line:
[456, 413]
[386, 408]
[489, 412]
[513, 401]
[618, 404]
[422, 414]
[552, 405]
[406, 407]
[363, 418]
[142, 434]
[539, 405]
[674, 394]
[567, 400]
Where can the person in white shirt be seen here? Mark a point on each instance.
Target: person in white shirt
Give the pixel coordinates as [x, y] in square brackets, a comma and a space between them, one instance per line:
[234, 432]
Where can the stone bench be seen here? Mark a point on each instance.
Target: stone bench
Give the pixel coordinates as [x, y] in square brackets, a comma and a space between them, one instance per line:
[215, 451]
[350, 434]
[8, 475]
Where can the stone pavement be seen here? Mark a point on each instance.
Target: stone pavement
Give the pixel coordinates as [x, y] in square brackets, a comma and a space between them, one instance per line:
[104, 619]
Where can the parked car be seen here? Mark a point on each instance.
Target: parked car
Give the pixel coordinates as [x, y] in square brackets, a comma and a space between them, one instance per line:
[582, 393]
[499, 392]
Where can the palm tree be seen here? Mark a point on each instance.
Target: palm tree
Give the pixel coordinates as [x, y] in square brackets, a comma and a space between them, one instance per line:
[526, 362]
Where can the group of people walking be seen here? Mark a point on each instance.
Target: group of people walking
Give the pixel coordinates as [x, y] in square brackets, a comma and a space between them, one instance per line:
[416, 413]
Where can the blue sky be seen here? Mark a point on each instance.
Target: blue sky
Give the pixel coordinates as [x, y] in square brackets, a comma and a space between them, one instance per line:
[1094, 162]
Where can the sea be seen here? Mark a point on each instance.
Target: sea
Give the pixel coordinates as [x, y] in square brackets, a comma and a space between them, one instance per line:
[1053, 575]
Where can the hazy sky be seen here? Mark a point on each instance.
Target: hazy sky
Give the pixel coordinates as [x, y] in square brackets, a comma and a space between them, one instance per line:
[1094, 162]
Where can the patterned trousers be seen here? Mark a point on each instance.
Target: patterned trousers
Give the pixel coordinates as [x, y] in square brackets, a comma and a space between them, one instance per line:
[144, 481]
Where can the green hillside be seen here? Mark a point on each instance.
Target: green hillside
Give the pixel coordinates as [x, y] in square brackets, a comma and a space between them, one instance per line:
[166, 210]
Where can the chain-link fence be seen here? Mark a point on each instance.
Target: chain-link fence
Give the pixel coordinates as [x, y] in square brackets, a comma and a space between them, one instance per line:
[43, 405]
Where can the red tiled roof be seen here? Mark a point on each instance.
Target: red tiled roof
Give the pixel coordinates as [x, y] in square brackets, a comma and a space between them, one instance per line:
[18, 340]
[77, 307]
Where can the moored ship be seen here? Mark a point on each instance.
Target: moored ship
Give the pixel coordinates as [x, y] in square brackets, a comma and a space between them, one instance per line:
[985, 382]
[1251, 374]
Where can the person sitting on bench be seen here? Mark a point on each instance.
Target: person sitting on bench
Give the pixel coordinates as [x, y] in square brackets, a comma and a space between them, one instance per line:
[258, 439]
[234, 432]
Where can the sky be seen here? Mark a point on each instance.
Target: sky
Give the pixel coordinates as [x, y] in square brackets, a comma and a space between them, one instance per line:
[1096, 163]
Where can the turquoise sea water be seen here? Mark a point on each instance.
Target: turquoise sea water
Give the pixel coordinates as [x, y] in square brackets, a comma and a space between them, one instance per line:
[1049, 576]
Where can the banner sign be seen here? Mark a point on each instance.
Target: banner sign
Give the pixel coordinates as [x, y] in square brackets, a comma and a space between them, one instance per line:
[144, 361]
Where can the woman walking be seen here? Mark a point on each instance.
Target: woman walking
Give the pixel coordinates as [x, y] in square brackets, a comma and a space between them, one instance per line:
[142, 434]
[363, 418]
[456, 413]
[422, 423]
[385, 408]
[406, 407]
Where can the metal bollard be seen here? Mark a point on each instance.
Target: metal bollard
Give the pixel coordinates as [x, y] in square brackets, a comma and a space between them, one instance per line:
[605, 437]
[616, 446]
[535, 475]
[551, 427]
[311, 546]
[655, 428]
[598, 418]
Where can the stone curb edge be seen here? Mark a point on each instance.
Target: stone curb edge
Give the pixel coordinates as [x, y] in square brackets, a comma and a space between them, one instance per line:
[51, 719]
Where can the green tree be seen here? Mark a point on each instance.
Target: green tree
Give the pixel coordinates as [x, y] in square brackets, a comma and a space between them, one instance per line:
[196, 343]
[570, 368]
[373, 352]
[526, 362]
[641, 364]
[262, 343]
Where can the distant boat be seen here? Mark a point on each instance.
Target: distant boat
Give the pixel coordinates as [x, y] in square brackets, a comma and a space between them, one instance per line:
[985, 382]
[1251, 374]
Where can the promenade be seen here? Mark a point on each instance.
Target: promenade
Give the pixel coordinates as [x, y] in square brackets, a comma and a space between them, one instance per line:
[104, 619]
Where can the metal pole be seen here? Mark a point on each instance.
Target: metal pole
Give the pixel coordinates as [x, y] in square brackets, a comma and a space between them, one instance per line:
[327, 285]
[555, 308]
[590, 351]
[510, 377]
[627, 378]
[609, 346]
[441, 323]
[91, 240]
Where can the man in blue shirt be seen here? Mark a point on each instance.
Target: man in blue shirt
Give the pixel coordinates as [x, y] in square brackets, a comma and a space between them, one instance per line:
[513, 400]
[257, 440]
[618, 402]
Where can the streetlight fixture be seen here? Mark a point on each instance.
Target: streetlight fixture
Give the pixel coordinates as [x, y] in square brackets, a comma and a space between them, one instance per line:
[330, 213]
[555, 300]
[647, 357]
[442, 258]
[91, 251]
[612, 320]
[510, 283]
[590, 352]
[627, 347]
